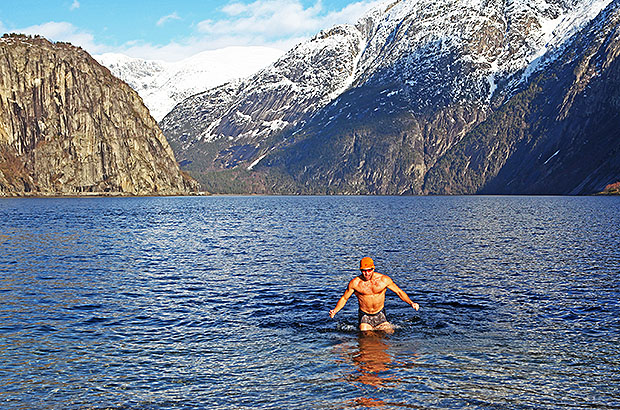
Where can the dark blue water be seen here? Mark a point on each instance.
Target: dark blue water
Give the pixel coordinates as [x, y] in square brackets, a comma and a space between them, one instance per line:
[222, 303]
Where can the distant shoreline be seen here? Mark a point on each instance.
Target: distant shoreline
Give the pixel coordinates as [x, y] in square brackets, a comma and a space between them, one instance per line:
[208, 194]
[100, 195]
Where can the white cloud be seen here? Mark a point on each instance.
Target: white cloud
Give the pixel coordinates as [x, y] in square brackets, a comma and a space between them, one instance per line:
[165, 19]
[75, 5]
[63, 31]
[275, 20]
[271, 18]
[277, 24]
[173, 51]
[351, 13]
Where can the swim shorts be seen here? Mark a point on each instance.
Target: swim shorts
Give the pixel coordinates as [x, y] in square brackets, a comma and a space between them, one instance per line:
[373, 320]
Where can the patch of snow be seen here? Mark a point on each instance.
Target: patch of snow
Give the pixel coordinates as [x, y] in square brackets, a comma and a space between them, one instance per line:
[352, 76]
[255, 163]
[275, 125]
[557, 31]
[549, 159]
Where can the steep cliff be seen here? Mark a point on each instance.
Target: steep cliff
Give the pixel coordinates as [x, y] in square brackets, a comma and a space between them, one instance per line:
[68, 127]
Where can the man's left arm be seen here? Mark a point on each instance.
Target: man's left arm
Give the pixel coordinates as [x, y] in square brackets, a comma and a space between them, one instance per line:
[401, 294]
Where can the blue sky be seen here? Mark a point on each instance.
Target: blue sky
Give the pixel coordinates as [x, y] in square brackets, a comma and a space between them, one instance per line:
[173, 30]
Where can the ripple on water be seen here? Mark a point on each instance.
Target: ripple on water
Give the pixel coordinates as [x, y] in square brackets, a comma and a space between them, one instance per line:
[222, 302]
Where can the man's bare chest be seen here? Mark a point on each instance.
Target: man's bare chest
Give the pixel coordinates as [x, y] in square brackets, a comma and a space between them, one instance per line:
[370, 288]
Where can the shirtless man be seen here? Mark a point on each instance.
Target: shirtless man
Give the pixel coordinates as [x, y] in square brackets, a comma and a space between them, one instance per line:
[370, 287]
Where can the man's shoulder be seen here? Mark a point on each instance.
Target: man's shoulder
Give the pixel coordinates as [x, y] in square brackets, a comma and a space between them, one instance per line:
[384, 278]
[354, 281]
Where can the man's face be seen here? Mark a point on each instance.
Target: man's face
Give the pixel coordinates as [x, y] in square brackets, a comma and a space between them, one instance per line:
[367, 273]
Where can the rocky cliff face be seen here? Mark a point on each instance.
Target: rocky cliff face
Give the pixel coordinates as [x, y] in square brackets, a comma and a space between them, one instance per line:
[68, 127]
[559, 134]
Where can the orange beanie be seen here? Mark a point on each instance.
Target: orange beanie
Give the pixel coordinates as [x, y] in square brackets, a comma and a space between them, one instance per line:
[367, 263]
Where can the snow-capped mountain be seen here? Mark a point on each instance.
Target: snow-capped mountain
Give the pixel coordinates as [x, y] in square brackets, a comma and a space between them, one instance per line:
[372, 107]
[245, 113]
[163, 84]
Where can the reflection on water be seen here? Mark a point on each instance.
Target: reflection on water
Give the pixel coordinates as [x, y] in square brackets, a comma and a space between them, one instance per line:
[372, 360]
[373, 369]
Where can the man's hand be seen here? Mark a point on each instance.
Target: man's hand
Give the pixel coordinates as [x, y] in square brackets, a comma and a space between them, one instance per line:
[415, 306]
[332, 313]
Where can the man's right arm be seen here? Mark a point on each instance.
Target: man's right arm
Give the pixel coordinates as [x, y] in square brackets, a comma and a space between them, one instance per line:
[342, 301]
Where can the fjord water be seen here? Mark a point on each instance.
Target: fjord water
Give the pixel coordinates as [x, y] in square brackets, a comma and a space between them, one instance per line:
[222, 303]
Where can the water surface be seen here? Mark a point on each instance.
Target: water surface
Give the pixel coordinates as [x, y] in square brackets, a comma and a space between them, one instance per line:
[222, 303]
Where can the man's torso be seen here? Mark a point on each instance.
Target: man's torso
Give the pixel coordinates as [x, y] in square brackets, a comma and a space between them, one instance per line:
[371, 294]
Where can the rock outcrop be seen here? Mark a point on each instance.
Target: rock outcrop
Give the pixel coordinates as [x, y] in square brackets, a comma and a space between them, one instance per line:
[68, 127]
[611, 189]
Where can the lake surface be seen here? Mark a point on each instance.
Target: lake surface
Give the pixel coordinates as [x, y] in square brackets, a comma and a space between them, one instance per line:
[222, 303]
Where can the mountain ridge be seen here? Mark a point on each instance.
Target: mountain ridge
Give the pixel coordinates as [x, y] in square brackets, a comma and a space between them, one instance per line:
[419, 78]
[571, 104]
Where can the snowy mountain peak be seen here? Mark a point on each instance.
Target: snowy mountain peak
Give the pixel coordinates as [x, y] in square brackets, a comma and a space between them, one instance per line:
[163, 84]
